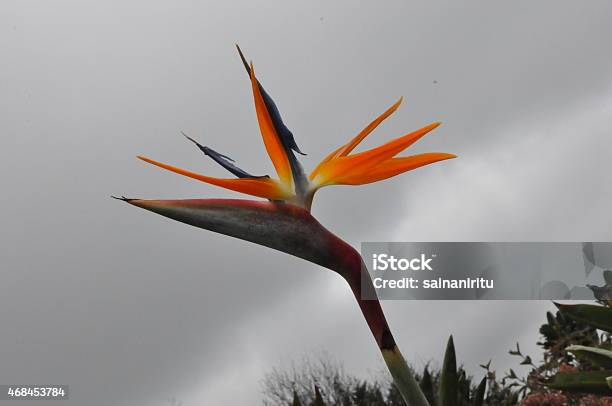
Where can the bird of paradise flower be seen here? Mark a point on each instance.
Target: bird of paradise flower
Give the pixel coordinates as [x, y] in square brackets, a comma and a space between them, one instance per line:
[284, 221]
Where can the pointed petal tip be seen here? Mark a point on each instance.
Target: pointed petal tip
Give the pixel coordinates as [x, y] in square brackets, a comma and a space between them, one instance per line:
[133, 201]
[148, 204]
[244, 61]
[124, 199]
[347, 148]
[430, 127]
[197, 144]
[207, 150]
[190, 139]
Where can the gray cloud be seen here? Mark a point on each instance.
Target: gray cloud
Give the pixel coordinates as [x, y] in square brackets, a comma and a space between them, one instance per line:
[100, 295]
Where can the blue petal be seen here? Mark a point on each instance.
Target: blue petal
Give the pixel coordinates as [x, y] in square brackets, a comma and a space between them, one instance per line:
[224, 161]
[283, 132]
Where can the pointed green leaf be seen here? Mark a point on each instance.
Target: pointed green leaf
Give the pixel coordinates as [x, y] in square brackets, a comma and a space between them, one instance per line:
[427, 386]
[583, 381]
[551, 319]
[596, 356]
[447, 393]
[596, 316]
[480, 392]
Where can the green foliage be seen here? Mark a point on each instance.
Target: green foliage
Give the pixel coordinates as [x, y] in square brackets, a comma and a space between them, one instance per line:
[599, 317]
[578, 361]
[501, 391]
[324, 383]
[583, 381]
[480, 392]
[561, 331]
[596, 356]
[427, 386]
[455, 386]
[448, 392]
[593, 364]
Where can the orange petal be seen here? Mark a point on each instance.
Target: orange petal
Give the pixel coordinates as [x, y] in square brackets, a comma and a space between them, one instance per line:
[261, 187]
[349, 146]
[358, 163]
[393, 167]
[272, 141]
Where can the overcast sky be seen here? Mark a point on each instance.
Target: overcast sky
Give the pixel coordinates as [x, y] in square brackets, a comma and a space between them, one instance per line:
[130, 308]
